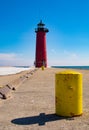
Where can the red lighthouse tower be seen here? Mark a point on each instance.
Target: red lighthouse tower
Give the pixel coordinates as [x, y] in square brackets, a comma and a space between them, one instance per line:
[41, 53]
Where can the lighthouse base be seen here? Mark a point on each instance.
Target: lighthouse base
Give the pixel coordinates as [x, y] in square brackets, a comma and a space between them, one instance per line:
[39, 65]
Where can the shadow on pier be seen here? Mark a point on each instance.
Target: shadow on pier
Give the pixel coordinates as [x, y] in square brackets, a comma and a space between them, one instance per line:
[40, 119]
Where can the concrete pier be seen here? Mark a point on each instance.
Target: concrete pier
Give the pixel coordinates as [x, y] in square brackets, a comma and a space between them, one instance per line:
[32, 105]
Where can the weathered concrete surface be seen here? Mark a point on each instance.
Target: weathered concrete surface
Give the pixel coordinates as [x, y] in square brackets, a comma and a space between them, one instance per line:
[32, 106]
[5, 90]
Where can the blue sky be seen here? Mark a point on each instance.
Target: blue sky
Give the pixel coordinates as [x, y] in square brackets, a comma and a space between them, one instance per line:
[67, 40]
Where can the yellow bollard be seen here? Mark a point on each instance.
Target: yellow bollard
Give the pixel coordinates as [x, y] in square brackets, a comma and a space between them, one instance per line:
[42, 67]
[68, 93]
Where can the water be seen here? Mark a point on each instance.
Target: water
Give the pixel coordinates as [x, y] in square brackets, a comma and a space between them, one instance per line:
[22, 66]
[72, 67]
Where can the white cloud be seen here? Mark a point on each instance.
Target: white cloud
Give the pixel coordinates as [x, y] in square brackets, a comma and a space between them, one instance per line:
[12, 59]
[73, 60]
[7, 56]
[66, 58]
[71, 55]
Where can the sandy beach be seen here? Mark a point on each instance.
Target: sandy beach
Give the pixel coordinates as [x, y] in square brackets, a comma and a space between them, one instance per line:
[32, 105]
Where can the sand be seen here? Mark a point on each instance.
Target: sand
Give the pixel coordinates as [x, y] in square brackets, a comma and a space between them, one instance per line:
[32, 105]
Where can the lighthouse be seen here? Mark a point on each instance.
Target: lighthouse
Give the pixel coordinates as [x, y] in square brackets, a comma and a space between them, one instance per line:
[41, 52]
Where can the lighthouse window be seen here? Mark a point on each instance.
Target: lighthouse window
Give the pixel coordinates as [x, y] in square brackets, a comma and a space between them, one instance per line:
[40, 26]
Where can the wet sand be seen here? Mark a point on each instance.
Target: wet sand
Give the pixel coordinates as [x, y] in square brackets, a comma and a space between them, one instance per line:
[32, 105]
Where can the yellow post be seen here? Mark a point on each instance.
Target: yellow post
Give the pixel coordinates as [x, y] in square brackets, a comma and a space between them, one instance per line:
[42, 67]
[68, 93]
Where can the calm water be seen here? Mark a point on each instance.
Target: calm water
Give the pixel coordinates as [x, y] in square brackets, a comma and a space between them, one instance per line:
[22, 66]
[72, 67]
